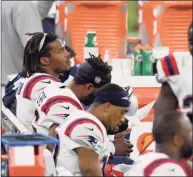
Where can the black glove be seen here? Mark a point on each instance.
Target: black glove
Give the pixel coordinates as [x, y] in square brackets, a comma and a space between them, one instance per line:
[119, 129]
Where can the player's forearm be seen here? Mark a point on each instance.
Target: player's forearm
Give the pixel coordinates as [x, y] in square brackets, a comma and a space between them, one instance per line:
[166, 101]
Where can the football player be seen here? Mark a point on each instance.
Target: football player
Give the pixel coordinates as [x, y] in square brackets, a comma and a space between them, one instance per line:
[84, 145]
[45, 58]
[175, 74]
[173, 136]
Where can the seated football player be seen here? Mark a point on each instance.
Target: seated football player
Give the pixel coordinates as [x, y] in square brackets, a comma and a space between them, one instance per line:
[84, 144]
[172, 132]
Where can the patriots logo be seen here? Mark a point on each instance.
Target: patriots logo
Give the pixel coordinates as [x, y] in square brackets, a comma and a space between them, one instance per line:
[90, 139]
[97, 80]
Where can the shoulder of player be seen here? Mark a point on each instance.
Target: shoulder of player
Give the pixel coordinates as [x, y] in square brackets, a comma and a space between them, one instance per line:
[54, 88]
[172, 167]
[83, 119]
[36, 83]
[159, 165]
[59, 88]
[61, 98]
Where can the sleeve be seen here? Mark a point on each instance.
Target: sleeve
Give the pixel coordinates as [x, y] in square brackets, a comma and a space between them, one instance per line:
[161, 77]
[164, 167]
[169, 170]
[111, 137]
[58, 108]
[26, 19]
[35, 86]
[85, 133]
[57, 113]
[111, 148]
[166, 67]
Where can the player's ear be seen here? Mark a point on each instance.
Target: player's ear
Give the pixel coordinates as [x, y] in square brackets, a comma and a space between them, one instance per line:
[107, 106]
[89, 88]
[178, 141]
[44, 61]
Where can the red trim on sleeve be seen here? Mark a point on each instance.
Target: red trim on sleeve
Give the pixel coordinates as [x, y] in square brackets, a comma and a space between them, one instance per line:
[78, 122]
[148, 170]
[174, 64]
[32, 82]
[59, 99]
[164, 66]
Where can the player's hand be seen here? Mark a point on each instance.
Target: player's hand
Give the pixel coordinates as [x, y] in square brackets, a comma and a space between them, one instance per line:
[122, 134]
[123, 147]
[119, 128]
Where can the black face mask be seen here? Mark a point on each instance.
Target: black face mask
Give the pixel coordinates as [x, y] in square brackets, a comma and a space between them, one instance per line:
[89, 99]
[186, 150]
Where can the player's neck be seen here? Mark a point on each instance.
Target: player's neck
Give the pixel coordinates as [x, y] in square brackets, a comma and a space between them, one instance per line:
[97, 113]
[75, 89]
[52, 73]
[164, 148]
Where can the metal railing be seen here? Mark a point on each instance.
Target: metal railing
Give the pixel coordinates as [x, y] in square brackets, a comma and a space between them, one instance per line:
[10, 122]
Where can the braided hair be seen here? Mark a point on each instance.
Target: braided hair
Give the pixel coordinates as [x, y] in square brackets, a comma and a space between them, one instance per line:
[99, 64]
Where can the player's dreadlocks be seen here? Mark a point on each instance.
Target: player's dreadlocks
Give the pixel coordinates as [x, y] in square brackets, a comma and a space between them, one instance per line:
[99, 64]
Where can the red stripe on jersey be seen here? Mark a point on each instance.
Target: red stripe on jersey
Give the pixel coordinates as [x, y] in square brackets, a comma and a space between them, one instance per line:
[148, 170]
[174, 64]
[78, 122]
[59, 99]
[32, 82]
[164, 66]
[188, 167]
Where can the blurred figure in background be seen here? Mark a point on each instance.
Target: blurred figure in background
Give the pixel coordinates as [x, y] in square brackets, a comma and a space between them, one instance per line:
[18, 18]
[47, 11]
[46, 8]
[174, 72]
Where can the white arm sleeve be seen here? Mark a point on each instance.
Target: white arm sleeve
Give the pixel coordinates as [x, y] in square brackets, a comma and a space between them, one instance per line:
[161, 77]
[111, 148]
